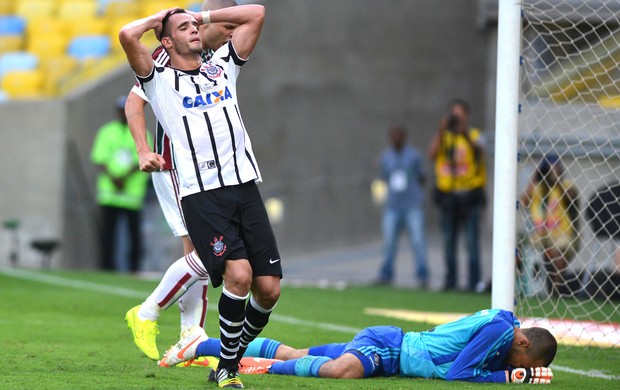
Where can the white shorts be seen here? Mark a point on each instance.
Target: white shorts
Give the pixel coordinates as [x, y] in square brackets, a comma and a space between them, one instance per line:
[166, 184]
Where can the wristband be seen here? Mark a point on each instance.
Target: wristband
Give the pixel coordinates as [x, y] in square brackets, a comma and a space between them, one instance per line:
[206, 17]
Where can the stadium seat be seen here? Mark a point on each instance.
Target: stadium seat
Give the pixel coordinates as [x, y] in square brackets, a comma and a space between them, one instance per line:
[35, 9]
[23, 84]
[87, 26]
[46, 45]
[77, 9]
[56, 69]
[17, 60]
[193, 5]
[85, 47]
[12, 25]
[46, 27]
[151, 7]
[121, 9]
[11, 43]
[7, 7]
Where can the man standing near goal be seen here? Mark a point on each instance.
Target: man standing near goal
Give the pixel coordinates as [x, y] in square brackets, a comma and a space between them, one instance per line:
[193, 301]
[196, 103]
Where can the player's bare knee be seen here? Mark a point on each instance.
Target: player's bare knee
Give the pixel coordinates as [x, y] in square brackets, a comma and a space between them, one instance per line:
[284, 352]
[337, 369]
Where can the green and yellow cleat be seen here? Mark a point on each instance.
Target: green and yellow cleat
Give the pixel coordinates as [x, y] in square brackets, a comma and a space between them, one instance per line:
[144, 333]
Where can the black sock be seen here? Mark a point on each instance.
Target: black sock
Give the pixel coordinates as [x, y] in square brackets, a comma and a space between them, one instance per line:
[256, 318]
[232, 314]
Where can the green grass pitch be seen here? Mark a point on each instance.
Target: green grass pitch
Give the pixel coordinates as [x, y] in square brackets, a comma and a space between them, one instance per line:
[66, 330]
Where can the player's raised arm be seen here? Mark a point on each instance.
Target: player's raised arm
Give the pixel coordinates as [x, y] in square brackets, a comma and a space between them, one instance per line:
[249, 19]
[138, 55]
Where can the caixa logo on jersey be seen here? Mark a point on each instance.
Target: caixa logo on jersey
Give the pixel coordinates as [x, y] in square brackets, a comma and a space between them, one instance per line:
[207, 99]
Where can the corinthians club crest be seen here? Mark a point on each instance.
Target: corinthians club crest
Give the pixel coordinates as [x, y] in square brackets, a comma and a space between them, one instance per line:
[218, 246]
[212, 71]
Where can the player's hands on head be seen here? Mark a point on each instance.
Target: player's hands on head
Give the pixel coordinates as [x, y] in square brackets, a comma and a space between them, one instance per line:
[196, 15]
[534, 375]
[159, 17]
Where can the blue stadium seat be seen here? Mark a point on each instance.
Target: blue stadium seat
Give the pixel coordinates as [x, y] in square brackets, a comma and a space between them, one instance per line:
[17, 60]
[89, 46]
[12, 25]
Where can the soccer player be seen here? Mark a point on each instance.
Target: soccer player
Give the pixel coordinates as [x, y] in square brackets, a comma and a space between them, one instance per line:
[196, 103]
[487, 346]
[142, 319]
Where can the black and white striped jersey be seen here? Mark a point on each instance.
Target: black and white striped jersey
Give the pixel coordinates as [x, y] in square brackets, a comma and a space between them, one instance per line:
[199, 111]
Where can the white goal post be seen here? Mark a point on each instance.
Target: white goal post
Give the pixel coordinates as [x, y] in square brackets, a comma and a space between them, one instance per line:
[556, 220]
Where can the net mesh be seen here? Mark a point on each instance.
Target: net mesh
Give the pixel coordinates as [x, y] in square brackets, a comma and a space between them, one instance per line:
[568, 223]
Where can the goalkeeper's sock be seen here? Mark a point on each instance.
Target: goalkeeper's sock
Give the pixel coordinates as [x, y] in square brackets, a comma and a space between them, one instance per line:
[262, 348]
[210, 347]
[305, 366]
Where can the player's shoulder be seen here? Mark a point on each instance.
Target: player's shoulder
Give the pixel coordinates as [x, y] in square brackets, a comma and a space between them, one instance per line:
[160, 56]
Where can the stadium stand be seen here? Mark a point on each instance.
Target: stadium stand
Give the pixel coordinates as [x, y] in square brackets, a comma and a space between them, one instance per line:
[68, 41]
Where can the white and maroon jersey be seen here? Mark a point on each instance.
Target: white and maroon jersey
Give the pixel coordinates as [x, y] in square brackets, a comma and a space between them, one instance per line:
[200, 113]
[162, 142]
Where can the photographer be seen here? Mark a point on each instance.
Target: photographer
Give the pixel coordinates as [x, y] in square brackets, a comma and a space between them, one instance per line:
[460, 177]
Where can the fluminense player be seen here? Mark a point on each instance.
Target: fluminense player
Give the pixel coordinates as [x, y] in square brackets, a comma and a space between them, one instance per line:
[142, 319]
[487, 346]
[196, 103]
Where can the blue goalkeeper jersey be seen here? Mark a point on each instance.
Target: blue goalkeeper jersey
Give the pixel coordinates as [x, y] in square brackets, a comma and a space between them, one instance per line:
[471, 349]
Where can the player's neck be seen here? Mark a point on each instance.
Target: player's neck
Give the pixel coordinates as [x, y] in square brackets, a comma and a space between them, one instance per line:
[189, 62]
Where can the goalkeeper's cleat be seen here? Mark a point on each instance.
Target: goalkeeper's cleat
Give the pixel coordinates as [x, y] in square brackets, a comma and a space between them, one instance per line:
[226, 378]
[144, 333]
[184, 349]
[254, 365]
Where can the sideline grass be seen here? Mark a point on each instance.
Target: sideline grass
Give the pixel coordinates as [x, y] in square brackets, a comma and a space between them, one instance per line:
[58, 337]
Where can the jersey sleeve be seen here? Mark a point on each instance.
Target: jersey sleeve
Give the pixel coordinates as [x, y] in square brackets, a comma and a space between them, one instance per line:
[489, 343]
[138, 91]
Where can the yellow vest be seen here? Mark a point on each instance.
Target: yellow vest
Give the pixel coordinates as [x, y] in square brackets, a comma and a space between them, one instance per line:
[552, 217]
[464, 172]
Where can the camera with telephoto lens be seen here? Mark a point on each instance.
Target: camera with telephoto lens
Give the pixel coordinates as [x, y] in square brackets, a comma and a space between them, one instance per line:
[453, 122]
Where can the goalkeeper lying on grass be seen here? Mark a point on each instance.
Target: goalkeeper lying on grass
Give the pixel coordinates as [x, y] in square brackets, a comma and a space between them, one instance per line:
[487, 346]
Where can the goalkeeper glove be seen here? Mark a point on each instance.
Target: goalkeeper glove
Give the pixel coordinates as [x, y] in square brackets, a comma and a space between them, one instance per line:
[535, 375]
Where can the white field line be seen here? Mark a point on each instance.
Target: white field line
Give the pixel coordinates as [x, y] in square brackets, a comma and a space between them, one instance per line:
[129, 293]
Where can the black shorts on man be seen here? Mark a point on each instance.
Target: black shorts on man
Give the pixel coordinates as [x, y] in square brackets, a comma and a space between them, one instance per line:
[235, 221]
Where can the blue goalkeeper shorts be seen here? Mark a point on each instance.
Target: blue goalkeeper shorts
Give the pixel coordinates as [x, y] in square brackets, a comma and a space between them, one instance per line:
[377, 348]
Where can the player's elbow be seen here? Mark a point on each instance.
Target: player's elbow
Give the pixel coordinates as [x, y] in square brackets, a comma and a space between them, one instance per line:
[258, 13]
[124, 37]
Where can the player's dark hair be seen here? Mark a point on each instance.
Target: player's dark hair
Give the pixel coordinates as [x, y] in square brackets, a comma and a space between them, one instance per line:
[543, 346]
[165, 27]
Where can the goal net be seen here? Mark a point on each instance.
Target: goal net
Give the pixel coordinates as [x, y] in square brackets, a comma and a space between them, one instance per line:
[568, 181]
